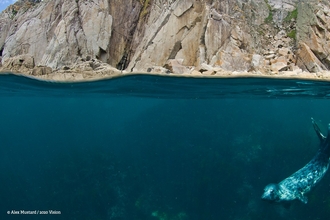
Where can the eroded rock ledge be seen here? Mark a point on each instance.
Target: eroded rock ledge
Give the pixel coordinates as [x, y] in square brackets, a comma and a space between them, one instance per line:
[93, 69]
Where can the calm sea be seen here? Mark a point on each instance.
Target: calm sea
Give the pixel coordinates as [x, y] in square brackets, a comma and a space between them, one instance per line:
[146, 147]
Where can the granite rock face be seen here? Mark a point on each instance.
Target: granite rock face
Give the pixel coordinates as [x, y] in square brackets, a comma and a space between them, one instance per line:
[58, 33]
[267, 36]
[313, 28]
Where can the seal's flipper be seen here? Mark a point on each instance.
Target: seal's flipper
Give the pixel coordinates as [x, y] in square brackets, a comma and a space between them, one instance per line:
[318, 131]
[303, 198]
[327, 139]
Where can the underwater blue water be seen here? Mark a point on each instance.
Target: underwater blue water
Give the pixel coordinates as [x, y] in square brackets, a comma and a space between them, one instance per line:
[150, 147]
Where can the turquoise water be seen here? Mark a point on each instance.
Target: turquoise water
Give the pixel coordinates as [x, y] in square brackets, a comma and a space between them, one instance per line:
[149, 147]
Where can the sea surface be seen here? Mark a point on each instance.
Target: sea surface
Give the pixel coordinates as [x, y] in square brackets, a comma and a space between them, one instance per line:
[144, 147]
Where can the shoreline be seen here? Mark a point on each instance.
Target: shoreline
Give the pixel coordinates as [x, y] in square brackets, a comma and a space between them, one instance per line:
[87, 76]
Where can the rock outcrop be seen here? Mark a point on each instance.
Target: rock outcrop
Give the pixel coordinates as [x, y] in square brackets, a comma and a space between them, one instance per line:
[58, 33]
[313, 28]
[180, 36]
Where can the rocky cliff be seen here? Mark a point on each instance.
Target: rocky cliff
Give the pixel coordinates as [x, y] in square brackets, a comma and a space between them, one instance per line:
[180, 36]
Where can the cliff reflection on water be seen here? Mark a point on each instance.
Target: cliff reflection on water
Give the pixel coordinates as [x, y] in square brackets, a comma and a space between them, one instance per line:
[150, 147]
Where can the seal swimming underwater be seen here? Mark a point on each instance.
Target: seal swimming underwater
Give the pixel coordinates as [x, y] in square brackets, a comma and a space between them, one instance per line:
[301, 182]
